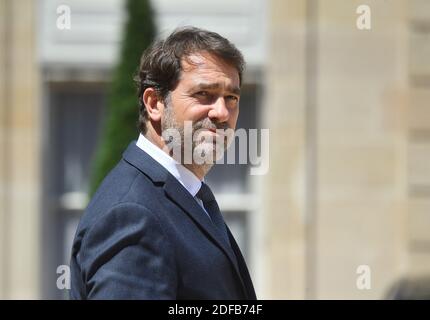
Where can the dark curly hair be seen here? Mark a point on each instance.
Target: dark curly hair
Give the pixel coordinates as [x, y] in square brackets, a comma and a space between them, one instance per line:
[160, 65]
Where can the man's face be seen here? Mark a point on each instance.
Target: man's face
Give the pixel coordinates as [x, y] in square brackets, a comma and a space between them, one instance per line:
[207, 95]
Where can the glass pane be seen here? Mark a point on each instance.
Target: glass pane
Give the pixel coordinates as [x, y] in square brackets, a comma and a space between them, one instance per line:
[76, 118]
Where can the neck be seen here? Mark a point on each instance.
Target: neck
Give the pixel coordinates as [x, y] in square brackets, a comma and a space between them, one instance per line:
[155, 139]
[198, 170]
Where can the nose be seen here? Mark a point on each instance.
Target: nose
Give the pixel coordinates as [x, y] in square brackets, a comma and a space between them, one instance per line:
[219, 111]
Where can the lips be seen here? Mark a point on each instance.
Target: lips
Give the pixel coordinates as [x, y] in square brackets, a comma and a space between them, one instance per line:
[214, 131]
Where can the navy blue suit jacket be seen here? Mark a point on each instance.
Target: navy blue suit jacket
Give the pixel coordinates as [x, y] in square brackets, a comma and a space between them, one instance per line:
[143, 236]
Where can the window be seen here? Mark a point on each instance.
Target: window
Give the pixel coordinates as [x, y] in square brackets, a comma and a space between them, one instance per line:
[75, 113]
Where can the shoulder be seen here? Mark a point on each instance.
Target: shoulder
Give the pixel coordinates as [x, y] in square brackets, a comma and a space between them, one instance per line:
[125, 224]
[119, 208]
[124, 184]
[124, 221]
[126, 243]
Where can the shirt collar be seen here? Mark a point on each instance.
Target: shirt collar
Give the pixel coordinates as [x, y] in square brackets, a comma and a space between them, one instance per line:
[182, 174]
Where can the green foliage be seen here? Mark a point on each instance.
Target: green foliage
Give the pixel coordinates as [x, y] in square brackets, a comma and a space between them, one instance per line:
[119, 127]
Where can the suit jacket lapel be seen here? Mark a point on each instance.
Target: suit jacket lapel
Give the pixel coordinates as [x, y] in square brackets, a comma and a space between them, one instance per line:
[185, 200]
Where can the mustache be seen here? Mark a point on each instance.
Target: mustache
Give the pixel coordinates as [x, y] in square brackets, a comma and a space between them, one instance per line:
[210, 125]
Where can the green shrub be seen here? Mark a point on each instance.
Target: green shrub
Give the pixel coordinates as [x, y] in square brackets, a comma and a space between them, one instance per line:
[120, 125]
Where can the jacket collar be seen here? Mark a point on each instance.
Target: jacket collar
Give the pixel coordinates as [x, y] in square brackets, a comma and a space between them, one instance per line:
[180, 172]
[142, 161]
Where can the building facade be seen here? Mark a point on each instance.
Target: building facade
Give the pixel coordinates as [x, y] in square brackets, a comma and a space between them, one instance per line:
[346, 199]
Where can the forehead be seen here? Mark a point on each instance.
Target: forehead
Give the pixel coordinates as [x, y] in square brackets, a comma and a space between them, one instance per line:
[208, 68]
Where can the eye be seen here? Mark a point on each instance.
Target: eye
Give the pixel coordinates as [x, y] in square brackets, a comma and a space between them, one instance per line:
[204, 96]
[232, 98]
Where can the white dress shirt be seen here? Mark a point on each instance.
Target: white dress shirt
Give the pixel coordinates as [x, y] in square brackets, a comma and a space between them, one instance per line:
[188, 179]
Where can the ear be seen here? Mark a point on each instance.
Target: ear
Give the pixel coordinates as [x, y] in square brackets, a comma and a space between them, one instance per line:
[153, 105]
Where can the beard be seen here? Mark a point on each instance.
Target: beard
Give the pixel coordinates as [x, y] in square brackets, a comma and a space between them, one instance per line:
[206, 147]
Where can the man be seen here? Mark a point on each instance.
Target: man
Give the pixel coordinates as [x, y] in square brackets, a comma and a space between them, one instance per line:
[153, 230]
